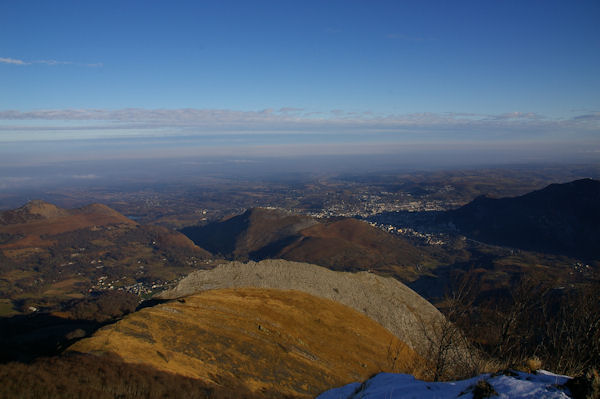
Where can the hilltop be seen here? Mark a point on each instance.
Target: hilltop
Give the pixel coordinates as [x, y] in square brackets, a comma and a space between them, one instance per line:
[245, 234]
[49, 255]
[385, 300]
[340, 244]
[34, 223]
[33, 210]
[282, 342]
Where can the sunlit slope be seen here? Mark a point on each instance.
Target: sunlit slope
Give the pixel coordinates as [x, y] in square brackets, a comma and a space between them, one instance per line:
[384, 299]
[273, 340]
[351, 244]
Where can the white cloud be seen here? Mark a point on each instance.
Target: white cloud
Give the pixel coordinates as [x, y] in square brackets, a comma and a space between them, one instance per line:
[52, 62]
[130, 122]
[517, 115]
[12, 61]
[198, 117]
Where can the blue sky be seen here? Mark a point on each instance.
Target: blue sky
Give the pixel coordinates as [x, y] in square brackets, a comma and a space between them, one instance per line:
[367, 75]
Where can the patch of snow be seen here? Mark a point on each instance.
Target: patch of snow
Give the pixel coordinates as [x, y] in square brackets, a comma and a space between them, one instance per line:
[543, 385]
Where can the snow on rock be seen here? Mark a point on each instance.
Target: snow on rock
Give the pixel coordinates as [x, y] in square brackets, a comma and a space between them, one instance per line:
[543, 385]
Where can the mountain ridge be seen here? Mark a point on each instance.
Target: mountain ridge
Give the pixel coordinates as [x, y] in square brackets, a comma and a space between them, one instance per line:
[560, 218]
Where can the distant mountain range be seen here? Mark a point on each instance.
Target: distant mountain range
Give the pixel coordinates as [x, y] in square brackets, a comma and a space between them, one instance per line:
[561, 219]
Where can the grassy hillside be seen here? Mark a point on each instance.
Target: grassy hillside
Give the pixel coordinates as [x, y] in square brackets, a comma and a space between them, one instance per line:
[279, 341]
[350, 244]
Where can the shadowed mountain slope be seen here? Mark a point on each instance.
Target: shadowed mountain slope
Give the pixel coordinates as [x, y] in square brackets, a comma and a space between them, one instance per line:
[385, 300]
[249, 232]
[561, 218]
[340, 244]
[286, 342]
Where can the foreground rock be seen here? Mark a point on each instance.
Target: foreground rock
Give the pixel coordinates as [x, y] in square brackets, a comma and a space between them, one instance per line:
[287, 343]
[385, 300]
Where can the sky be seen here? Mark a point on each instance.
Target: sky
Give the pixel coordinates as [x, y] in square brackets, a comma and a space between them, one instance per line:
[155, 79]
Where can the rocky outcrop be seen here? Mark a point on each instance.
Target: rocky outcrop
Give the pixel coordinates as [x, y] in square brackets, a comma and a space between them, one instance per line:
[385, 300]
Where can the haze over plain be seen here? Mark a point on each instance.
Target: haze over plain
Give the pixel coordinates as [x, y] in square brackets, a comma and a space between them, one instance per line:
[421, 83]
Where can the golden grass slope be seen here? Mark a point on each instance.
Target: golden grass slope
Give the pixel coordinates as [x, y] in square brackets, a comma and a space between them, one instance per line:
[271, 340]
[384, 299]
